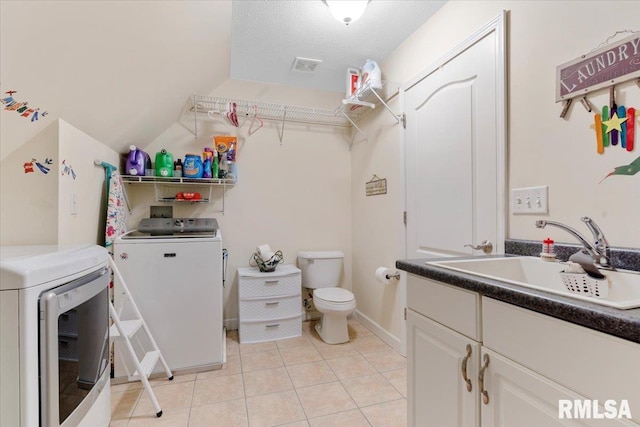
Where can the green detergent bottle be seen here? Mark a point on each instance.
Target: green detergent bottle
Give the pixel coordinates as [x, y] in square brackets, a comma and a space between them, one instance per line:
[164, 163]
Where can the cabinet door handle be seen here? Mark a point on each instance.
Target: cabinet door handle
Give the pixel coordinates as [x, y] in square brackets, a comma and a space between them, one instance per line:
[273, 325]
[272, 303]
[485, 394]
[465, 361]
[271, 282]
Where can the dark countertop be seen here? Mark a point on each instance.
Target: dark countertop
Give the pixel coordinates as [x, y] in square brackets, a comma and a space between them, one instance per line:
[620, 323]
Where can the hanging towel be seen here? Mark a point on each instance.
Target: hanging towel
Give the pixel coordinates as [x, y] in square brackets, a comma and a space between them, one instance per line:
[116, 210]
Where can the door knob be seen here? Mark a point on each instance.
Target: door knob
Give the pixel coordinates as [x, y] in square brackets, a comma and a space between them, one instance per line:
[486, 246]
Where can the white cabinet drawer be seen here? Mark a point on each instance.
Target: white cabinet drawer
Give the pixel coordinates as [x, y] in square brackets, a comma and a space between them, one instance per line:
[596, 365]
[286, 280]
[269, 330]
[456, 308]
[270, 308]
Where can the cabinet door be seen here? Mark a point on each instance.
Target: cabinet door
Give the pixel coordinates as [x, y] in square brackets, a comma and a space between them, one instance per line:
[437, 393]
[520, 397]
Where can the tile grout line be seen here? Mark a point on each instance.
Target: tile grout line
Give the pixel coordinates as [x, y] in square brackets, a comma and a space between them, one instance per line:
[295, 390]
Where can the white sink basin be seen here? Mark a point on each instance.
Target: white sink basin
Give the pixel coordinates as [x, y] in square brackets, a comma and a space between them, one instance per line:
[531, 272]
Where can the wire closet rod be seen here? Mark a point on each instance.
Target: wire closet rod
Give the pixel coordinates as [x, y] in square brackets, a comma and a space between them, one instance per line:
[270, 111]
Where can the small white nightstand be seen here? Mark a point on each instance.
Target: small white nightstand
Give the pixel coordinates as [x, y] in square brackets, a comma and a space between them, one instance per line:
[269, 304]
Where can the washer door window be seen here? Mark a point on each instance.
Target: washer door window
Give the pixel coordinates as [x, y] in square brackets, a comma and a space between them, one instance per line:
[74, 348]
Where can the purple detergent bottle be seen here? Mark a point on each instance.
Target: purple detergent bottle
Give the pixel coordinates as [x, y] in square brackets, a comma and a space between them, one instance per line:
[137, 162]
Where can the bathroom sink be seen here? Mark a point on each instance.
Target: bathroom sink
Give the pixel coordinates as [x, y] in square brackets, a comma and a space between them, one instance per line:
[531, 272]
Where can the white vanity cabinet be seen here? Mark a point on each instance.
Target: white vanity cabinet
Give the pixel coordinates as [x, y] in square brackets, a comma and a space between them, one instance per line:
[439, 361]
[522, 363]
[443, 352]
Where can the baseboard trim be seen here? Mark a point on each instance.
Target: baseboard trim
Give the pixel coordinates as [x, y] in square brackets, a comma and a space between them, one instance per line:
[379, 331]
[231, 324]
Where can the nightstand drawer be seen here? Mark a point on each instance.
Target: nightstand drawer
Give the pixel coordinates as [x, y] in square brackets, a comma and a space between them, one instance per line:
[270, 308]
[286, 280]
[270, 330]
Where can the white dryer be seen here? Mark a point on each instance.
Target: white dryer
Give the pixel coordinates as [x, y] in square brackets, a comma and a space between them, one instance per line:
[54, 336]
[174, 275]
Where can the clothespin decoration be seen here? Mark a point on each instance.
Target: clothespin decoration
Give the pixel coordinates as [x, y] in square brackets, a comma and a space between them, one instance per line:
[613, 110]
[565, 108]
[586, 104]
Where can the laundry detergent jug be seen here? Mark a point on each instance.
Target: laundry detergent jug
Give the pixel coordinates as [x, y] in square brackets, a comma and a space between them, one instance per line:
[164, 163]
[137, 161]
[192, 166]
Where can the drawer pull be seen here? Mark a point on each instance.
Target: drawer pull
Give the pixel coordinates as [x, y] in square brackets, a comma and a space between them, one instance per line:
[485, 394]
[272, 303]
[273, 325]
[465, 361]
[271, 282]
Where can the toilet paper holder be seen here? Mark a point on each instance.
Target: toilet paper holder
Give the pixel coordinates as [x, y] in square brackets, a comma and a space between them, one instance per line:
[395, 275]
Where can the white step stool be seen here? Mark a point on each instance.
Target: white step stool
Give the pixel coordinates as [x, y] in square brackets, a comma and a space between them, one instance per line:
[127, 329]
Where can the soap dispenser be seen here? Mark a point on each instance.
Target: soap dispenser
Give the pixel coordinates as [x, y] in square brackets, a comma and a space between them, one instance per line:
[548, 253]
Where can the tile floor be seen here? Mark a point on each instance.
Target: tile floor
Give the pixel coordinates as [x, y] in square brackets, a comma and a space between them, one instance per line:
[295, 382]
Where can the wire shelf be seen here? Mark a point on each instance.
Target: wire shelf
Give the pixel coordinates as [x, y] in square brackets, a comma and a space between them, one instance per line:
[175, 180]
[269, 111]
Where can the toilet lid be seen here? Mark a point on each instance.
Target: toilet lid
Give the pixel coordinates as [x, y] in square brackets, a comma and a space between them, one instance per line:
[333, 294]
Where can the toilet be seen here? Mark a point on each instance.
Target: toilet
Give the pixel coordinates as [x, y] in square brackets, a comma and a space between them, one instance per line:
[321, 272]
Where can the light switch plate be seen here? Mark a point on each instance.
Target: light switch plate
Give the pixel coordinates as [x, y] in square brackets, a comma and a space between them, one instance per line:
[74, 204]
[530, 200]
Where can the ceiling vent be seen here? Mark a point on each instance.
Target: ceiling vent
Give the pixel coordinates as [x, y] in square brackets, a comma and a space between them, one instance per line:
[305, 65]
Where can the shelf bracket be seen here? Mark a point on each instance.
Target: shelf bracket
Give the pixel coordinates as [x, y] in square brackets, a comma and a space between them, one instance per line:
[384, 104]
[353, 135]
[284, 118]
[195, 117]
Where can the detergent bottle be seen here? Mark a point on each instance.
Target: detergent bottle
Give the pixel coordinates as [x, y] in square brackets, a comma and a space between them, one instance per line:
[371, 75]
[207, 157]
[164, 163]
[192, 166]
[137, 161]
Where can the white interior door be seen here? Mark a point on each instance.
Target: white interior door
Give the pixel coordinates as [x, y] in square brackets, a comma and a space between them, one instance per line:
[455, 149]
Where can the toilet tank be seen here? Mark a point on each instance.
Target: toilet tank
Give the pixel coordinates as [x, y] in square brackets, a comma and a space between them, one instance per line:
[320, 269]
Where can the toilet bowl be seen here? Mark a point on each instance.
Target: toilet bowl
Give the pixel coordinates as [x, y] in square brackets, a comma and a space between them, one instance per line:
[334, 304]
[321, 272]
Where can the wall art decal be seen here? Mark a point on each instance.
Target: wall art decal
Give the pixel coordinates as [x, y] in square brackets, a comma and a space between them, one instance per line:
[67, 170]
[22, 108]
[28, 166]
[630, 169]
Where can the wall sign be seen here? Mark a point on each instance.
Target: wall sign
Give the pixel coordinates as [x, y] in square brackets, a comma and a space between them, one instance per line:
[376, 186]
[612, 64]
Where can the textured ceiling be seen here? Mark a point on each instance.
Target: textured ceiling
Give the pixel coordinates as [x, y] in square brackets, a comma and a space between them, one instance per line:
[123, 71]
[266, 36]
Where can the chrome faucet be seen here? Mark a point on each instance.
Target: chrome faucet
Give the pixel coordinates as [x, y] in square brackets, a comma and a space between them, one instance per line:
[599, 250]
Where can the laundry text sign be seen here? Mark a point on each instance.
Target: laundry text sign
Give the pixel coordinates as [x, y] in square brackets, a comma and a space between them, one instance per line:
[612, 64]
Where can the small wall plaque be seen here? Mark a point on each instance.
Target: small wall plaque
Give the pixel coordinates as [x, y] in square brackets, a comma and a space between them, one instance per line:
[376, 186]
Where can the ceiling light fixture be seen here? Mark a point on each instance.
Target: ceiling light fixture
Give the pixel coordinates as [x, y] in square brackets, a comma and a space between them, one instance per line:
[346, 11]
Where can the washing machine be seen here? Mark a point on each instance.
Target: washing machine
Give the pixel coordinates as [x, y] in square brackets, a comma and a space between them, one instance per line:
[173, 269]
[54, 336]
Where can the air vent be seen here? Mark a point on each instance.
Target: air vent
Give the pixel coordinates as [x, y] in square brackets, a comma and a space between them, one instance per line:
[305, 65]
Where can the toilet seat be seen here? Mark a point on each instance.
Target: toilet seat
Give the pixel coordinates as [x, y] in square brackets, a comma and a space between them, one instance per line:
[337, 296]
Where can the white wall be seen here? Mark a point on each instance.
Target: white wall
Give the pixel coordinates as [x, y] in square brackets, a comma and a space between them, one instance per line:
[29, 201]
[36, 208]
[543, 149]
[294, 196]
[79, 150]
